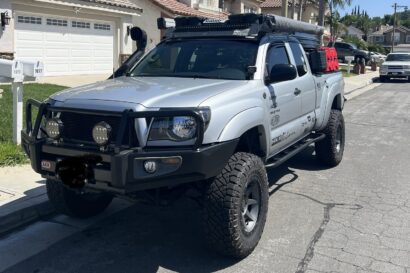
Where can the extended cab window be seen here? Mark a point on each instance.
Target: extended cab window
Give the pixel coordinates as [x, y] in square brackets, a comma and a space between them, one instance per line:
[300, 60]
[276, 55]
[206, 58]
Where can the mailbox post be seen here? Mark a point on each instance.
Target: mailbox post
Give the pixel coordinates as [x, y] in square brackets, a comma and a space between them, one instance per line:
[349, 60]
[15, 72]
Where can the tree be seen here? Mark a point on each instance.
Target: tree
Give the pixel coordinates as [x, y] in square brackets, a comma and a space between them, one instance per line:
[332, 4]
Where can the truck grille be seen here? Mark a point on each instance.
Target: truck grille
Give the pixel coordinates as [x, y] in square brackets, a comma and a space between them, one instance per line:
[395, 67]
[78, 128]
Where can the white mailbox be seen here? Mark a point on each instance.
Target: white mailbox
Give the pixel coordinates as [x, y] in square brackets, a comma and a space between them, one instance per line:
[32, 68]
[349, 58]
[11, 70]
[14, 71]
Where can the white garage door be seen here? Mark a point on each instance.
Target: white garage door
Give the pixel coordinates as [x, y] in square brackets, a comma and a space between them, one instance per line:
[67, 46]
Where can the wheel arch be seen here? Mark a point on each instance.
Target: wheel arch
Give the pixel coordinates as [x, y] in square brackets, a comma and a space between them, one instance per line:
[249, 127]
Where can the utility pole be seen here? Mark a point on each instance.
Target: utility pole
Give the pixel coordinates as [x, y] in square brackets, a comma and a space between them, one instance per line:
[395, 6]
[285, 8]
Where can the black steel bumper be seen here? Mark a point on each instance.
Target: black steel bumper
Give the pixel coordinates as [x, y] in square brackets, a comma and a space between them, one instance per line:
[121, 170]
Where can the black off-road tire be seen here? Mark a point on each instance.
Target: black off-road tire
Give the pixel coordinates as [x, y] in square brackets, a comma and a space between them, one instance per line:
[226, 200]
[330, 150]
[383, 79]
[75, 204]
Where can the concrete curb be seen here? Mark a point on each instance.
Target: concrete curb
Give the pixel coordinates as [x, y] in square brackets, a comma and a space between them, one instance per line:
[372, 80]
[23, 212]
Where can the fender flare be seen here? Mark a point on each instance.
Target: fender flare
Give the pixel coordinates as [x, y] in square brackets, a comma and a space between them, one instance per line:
[243, 122]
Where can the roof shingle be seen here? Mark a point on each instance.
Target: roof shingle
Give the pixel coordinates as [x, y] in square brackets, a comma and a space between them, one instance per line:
[273, 3]
[117, 3]
[179, 8]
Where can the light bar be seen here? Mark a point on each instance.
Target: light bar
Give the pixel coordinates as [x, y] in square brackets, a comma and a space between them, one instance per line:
[165, 23]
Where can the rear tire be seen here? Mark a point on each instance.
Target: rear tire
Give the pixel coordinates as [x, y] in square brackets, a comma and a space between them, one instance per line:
[236, 205]
[75, 204]
[330, 150]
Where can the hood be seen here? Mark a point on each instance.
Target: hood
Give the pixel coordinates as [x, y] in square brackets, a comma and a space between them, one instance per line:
[154, 92]
[400, 63]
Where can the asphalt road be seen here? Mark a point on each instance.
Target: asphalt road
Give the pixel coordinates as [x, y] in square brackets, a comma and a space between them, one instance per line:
[352, 218]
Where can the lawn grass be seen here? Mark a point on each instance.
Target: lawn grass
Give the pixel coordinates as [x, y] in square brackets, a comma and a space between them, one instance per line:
[11, 154]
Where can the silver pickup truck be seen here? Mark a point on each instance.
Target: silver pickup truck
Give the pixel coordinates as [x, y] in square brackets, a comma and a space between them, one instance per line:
[212, 106]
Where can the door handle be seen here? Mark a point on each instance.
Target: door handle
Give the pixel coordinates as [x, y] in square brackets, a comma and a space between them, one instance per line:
[297, 92]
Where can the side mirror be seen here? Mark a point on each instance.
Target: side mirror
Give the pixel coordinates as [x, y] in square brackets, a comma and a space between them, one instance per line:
[282, 72]
[140, 37]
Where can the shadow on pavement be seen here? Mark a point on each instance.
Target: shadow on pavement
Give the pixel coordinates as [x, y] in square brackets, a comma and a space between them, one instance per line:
[146, 238]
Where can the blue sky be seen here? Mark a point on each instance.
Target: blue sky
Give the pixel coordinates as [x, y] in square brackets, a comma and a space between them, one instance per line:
[375, 7]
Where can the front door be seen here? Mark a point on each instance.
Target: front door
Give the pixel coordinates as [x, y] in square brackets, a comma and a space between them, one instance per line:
[285, 104]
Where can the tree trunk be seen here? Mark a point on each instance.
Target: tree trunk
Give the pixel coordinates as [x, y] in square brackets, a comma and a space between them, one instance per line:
[293, 10]
[300, 10]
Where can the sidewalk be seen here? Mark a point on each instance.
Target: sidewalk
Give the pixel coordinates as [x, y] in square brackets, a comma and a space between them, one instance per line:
[23, 197]
[356, 82]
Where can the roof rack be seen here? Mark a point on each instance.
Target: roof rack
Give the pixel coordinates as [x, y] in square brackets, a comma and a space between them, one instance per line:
[247, 25]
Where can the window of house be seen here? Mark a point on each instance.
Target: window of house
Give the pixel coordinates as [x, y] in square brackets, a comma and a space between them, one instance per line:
[379, 39]
[29, 20]
[247, 9]
[78, 24]
[56, 22]
[300, 60]
[102, 26]
[408, 39]
[397, 36]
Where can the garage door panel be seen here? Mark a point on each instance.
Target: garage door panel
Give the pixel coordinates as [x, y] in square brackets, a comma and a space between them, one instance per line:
[29, 35]
[53, 69]
[81, 53]
[101, 53]
[30, 53]
[57, 37]
[65, 49]
[57, 52]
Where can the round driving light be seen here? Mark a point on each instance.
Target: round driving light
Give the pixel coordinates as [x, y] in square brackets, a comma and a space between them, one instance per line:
[184, 127]
[150, 166]
[54, 128]
[102, 133]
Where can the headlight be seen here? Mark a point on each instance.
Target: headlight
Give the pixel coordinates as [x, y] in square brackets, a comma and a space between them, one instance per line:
[406, 66]
[173, 128]
[179, 128]
[102, 133]
[54, 128]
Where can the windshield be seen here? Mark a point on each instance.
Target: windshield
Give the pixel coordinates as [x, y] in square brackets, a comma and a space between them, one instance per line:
[398, 57]
[215, 59]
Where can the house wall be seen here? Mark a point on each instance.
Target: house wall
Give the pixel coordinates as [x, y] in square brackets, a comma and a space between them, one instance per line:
[388, 36]
[148, 22]
[7, 35]
[310, 14]
[306, 13]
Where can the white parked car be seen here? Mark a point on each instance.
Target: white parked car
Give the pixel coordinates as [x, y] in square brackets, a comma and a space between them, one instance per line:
[378, 57]
[397, 65]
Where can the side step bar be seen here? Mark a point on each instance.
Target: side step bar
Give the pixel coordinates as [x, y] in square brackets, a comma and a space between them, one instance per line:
[293, 150]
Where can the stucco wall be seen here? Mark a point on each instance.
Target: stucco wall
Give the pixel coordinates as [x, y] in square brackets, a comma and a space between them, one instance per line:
[7, 35]
[148, 22]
